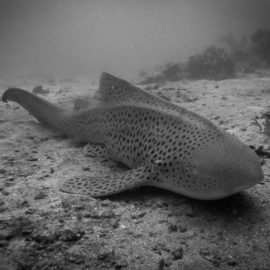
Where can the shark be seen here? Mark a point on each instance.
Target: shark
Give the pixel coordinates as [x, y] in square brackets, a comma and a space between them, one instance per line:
[163, 145]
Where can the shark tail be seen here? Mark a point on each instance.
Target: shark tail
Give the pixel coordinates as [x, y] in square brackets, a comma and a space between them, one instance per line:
[44, 111]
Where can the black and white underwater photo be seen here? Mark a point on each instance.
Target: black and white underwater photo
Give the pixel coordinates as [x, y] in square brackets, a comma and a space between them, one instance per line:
[135, 135]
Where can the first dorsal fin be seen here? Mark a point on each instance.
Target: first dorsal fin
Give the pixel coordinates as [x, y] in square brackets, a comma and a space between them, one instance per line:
[115, 90]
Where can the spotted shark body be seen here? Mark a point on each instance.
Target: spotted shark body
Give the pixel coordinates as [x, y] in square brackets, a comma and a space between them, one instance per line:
[164, 145]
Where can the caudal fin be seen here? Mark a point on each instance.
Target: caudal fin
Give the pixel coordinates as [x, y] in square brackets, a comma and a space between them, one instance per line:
[45, 112]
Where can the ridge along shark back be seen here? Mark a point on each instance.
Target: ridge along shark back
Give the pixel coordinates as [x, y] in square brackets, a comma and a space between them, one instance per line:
[163, 144]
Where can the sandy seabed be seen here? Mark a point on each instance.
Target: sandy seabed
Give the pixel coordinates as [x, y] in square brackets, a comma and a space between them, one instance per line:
[146, 228]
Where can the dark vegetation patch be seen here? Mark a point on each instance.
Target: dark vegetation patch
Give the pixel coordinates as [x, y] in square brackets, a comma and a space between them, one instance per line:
[231, 57]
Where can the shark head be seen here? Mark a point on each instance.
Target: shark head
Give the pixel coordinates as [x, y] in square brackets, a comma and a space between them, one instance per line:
[209, 164]
[224, 167]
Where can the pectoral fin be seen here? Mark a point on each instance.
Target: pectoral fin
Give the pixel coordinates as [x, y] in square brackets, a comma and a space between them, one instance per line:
[109, 184]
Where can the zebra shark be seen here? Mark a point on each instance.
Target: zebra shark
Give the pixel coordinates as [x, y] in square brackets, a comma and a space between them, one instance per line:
[163, 144]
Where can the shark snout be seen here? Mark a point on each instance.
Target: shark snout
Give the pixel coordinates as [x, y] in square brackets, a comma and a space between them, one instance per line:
[249, 171]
